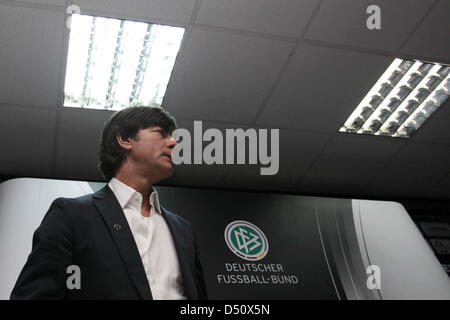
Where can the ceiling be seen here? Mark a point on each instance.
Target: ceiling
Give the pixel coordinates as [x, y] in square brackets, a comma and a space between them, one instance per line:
[301, 66]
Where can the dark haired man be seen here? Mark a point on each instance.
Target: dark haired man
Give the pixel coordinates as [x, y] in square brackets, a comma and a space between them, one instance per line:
[124, 243]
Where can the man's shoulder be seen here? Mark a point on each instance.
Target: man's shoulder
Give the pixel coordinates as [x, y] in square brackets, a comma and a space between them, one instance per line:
[77, 201]
[74, 206]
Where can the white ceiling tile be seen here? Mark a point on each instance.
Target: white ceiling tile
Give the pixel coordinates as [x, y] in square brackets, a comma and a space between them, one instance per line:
[330, 188]
[246, 177]
[31, 55]
[282, 17]
[224, 77]
[417, 168]
[344, 22]
[350, 162]
[431, 38]
[26, 139]
[321, 88]
[441, 189]
[201, 175]
[437, 128]
[176, 10]
[78, 142]
[50, 2]
[296, 154]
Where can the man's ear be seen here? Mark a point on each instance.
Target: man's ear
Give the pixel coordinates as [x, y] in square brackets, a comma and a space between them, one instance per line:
[124, 143]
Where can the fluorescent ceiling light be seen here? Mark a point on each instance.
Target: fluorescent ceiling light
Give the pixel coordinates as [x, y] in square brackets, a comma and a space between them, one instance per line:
[114, 64]
[402, 99]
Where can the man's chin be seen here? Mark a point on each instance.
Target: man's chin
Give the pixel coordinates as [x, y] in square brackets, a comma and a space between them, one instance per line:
[167, 171]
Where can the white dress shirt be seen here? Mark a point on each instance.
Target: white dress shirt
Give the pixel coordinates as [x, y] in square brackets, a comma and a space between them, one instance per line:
[154, 241]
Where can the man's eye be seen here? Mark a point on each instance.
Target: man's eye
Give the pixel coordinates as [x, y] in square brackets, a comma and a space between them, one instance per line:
[162, 132]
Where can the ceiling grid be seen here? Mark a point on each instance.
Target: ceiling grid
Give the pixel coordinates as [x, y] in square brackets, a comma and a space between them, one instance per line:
[298, 66]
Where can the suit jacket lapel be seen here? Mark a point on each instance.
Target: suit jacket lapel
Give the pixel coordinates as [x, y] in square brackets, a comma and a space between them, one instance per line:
[184, 249]
[115, 220]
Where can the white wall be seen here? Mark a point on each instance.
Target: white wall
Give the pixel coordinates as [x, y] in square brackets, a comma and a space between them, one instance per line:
[23, 204]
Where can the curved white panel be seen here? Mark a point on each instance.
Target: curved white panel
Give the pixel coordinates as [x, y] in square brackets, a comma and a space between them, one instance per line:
[23, 204]
[391, 240]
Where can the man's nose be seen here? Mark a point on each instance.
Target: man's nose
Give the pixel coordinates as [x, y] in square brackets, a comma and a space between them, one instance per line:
[172, 142]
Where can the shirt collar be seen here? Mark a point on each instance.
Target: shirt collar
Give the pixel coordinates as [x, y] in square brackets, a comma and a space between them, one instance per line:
[128, 196]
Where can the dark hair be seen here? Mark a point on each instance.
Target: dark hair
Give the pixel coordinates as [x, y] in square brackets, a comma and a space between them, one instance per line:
[127, 123]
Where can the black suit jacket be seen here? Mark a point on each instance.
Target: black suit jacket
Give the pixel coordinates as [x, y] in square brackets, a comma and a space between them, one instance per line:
[92, 232]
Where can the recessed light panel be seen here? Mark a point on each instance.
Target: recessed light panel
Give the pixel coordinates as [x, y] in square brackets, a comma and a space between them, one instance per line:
[402, 99]
[114, 64]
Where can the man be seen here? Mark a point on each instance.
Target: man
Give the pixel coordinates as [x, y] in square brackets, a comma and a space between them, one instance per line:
[125, 244]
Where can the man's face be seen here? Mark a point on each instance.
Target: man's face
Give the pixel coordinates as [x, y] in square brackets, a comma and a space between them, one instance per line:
[151, 152]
